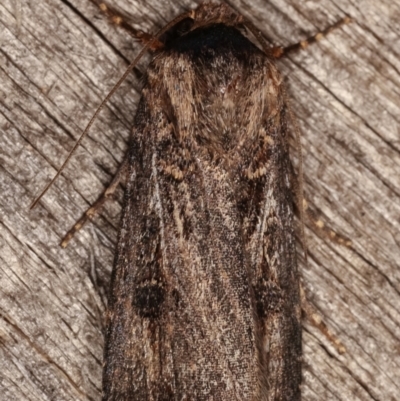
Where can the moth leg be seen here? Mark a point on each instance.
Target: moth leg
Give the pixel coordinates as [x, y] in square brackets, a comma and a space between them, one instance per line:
[117, 19]
[279, 52]
[93, 210]
[316, 319]
[309, 310]
[323, 229]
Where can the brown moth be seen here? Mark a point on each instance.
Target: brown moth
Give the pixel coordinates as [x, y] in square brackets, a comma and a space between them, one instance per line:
[204, 301]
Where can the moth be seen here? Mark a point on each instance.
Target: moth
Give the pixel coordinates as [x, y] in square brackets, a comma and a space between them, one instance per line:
[204, 301]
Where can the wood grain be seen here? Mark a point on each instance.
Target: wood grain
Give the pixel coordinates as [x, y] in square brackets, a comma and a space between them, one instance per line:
[59, 58]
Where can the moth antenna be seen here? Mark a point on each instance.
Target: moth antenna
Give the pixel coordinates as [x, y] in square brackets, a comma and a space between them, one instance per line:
[279, 52]
[107, 98]
[257, 34]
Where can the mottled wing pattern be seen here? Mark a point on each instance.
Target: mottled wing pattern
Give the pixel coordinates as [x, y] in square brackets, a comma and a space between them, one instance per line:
[204, 300]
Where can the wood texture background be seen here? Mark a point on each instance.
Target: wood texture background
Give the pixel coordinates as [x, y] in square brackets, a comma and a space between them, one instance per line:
[59, 58]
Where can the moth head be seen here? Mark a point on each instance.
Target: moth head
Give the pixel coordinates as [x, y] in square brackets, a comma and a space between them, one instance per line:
[204, 15]
[210, 13]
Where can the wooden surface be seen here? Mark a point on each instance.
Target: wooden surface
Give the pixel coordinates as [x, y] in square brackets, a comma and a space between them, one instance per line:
[58, 59]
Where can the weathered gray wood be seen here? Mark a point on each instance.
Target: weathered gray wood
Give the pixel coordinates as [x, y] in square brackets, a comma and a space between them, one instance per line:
[59, 58]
